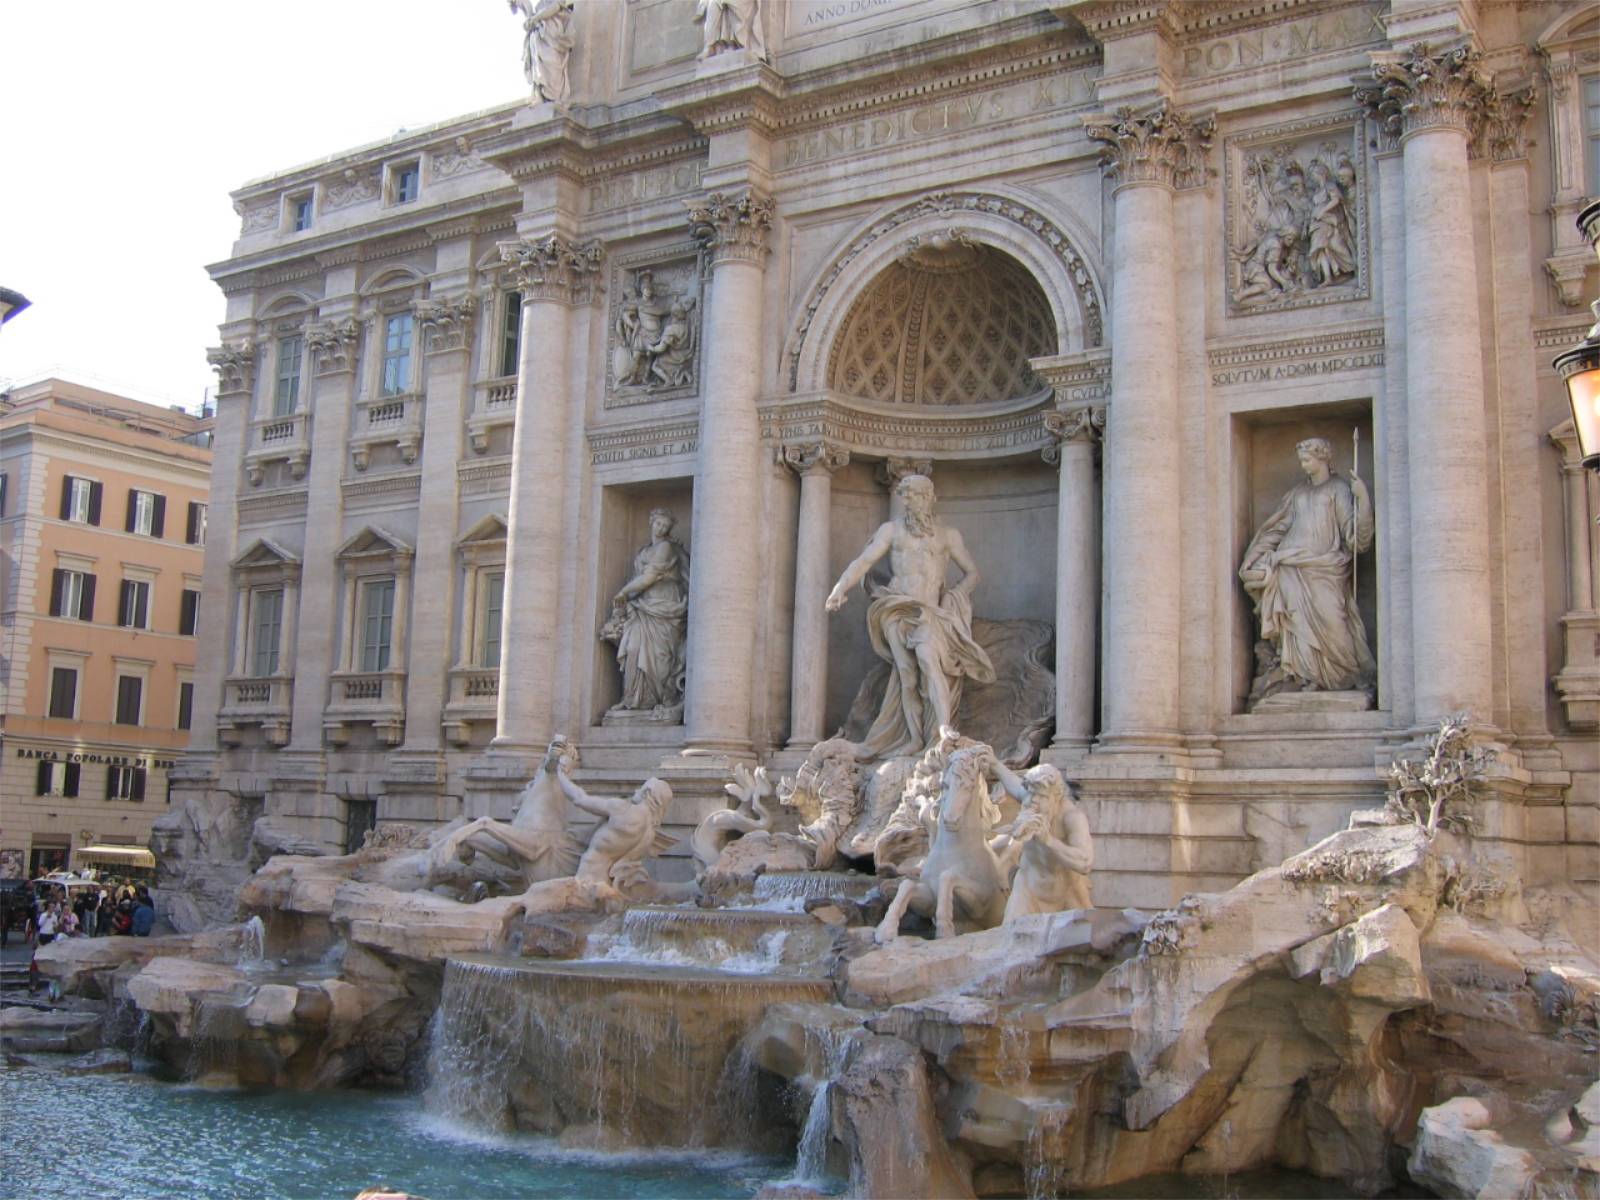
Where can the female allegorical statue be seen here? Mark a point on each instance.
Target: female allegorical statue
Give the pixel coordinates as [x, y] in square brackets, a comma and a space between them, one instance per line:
[1299, 570]
[649, 620]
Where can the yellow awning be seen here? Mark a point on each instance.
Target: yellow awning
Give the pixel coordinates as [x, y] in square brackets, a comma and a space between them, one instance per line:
[133, 856]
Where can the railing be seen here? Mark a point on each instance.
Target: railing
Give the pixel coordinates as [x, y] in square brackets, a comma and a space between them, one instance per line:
[279, 439]
[385, 420]
[474, 695]
[373, 697]
[262, 702]
[494, 403]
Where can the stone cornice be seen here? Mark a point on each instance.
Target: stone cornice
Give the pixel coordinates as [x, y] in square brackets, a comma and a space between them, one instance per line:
[1419, 89]
[875, 431]
[1104, 20]
[1158, 146]
[1075, 378]
[553, 267]
[732, 225]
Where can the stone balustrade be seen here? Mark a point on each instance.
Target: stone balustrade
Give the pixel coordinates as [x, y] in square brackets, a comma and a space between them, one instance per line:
[494, 404]
[387, 420]
[285, 439]
[474, 695]
[366, 697]
[262, 701]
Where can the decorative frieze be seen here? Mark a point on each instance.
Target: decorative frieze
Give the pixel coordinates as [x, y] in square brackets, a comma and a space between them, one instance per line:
[257, 218]
[952, 204]
[351, 187]
[383, 491]
[333, 345]
[1160, 145]
[272, 507]
[626, 189]
[1297, 358]
[655, 323]
[733, 226]
[457, 159]
[235, 364]
[1295, 222]
[553, 267]
[634, 442]
[1417, 89]
[446, 324]
[1077, 379]
[833, 418]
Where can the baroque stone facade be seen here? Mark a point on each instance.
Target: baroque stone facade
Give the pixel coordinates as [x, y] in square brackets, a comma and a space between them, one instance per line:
[1095, 268]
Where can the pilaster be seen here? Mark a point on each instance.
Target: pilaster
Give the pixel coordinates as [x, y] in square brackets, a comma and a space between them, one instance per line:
[1078, 433]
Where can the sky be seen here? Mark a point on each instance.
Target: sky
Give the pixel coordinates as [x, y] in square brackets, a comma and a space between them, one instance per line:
[126, 123]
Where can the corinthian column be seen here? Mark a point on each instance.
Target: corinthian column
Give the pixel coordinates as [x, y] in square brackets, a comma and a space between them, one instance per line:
[1077, 570]
[722, 587]
[1149, 155]
[1434, 102]
[555, 276]
[815, 463]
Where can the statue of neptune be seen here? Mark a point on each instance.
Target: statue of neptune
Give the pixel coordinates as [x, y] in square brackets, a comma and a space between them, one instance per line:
[922, 628]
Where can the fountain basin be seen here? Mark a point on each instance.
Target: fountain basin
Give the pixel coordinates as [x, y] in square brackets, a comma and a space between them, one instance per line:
[731, 940]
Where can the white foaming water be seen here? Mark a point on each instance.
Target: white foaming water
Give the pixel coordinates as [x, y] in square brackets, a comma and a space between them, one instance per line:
[765, 958]
[252, 943]
[460, 1133]
[811, 1159]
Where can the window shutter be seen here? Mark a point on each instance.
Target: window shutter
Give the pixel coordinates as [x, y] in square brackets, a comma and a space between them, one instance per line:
[141, 613]
[41, 786]
[86, 613]
[95, 491]
[158, 523]
[66, 497]
[111, 783]
[191, 529]
[189, 612]
[133, 510]
[124, 604]
[138, 783]
[71, 788]
[58, 580]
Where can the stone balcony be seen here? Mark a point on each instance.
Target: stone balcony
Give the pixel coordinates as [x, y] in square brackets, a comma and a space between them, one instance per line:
[386, 420]
[262, 701]
[278, 439]
[494, 403]
[376, 698]
[474, 699]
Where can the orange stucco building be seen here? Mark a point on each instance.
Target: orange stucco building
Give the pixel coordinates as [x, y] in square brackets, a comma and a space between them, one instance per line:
[102, 535]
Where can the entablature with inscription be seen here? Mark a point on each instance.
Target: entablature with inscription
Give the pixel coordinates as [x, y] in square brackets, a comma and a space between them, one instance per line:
[869, 430]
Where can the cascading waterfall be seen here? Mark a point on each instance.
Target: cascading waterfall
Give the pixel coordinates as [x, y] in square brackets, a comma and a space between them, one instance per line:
[811, 1156]
[787, 891]
[633, 1054]
[219, 1026]
[252, 943]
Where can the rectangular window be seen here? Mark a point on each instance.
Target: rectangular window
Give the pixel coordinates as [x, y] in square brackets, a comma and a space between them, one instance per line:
[300, 213]
[2, 493]
[133, 607]
[1591, 136]
[64, 693]
[266, 624]
[195, 532]
[511, 334]
[147, 513]
[71, 594]
[407, 183]
[125, 783]
[185, 704]
[397, 354]
[80, 500]
[130, 700]
[361, 817]
[286, 395]
[189, 612]
[57, 779]
[494, 587]
[377, 624]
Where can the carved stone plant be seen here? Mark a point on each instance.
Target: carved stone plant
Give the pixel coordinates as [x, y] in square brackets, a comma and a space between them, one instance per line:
[1434, 790]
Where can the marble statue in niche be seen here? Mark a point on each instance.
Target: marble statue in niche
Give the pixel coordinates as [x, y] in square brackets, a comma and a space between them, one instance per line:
[547, 44]
[656, 337]
[731, 25]
[1299, 569]
[648, 623]
[922, 628]
[1296, 223]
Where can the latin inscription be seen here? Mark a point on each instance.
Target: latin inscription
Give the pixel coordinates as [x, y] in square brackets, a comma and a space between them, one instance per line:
[638, 187]
[816, 14]
[1295, 39]
[933, 120]
[1297, 370]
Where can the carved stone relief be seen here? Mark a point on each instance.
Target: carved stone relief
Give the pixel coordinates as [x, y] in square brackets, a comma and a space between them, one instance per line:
[257, 218]
[350, 188]
[655, 327]
[1296, 224]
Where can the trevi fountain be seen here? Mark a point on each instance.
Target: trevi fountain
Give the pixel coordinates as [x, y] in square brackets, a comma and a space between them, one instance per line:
[993, 662]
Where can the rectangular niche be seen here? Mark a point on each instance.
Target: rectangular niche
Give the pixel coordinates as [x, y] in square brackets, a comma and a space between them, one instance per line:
[624, 530]
[1265, 468]
[653, 326]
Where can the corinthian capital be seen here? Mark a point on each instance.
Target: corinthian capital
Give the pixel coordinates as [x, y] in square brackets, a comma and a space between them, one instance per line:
[235, 364]
[333, 345]
[1505, 124]
[734, 225]
[1160, 145]
[1417, 89]
[446, 324]
[553, 268]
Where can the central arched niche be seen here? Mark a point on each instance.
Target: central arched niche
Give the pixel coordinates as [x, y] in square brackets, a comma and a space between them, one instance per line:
[950, 322]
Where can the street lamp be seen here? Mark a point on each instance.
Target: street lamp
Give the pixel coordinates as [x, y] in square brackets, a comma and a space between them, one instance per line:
[1579, 367]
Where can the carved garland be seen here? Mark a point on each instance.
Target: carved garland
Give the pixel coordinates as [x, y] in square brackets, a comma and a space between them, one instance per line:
[939, 204]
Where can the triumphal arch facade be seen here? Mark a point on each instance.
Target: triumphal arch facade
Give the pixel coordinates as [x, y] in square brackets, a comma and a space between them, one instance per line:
[1222, 332]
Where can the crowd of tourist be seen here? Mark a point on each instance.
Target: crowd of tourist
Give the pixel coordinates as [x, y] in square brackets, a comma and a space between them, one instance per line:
[49, 911]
